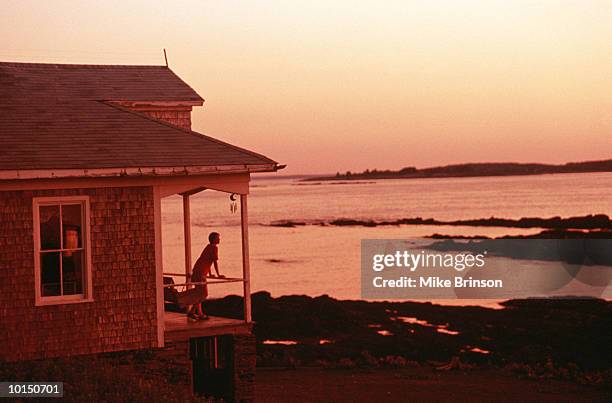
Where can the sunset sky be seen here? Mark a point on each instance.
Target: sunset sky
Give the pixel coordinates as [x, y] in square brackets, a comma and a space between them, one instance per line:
[328, 86]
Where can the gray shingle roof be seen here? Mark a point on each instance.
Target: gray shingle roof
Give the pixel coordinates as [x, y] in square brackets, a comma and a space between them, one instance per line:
[55, 117]
[95, 82]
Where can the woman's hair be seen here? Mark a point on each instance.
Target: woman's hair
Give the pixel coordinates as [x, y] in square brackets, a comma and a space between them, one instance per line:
[213, 236]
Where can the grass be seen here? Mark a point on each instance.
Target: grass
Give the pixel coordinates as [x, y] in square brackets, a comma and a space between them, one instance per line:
[115, 377]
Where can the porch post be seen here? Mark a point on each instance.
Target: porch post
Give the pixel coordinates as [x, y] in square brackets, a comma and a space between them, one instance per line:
[187, 231]
[159, 270]
[246, 272]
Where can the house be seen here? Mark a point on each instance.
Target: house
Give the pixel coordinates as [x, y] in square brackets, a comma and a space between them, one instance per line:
[87, 152]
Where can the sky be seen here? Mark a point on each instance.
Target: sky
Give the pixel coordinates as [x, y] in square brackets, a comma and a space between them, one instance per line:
[327, 86]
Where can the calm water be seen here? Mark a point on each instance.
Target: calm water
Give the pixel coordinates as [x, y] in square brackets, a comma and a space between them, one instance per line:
[316, 260]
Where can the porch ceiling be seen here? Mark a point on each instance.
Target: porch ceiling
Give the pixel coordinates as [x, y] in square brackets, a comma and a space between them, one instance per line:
[237, 183]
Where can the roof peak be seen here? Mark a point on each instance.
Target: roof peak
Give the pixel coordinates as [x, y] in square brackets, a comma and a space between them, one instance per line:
[52, 117]
[92, 81]
[93, 66]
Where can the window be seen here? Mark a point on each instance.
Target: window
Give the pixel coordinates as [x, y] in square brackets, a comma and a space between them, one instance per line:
[62, 251]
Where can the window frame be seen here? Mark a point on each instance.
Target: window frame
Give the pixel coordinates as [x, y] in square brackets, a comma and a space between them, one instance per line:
[87, 295]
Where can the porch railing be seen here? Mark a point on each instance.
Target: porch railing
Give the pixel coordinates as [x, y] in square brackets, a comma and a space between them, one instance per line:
[214, 280]
[180, 295]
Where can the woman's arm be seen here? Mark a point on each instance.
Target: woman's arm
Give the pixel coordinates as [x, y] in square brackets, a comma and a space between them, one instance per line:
[216, 260]
[216, 264]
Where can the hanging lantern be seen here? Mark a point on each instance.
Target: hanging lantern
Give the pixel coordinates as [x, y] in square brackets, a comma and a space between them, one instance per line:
[233, 203]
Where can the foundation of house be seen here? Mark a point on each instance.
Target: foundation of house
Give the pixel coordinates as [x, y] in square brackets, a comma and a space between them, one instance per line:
[218, 356]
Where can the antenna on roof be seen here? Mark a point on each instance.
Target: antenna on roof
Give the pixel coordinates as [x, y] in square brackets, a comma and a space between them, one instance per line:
[166, 57]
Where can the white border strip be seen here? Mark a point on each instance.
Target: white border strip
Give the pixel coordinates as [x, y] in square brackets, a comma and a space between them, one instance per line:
[139, 171]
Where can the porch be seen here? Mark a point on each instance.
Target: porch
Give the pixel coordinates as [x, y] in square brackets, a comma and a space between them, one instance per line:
[172, 325]
[177, 327]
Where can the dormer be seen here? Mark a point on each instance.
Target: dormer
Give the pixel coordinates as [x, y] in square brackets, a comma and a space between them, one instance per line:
[177, 113]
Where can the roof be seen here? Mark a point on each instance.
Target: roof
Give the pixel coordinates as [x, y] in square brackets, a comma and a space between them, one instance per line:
[94, 82]
[56, 120]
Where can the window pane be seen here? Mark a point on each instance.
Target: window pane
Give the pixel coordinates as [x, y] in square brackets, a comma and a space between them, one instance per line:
[50, 274]
[72, 225]
[49, 227]
[72, 266]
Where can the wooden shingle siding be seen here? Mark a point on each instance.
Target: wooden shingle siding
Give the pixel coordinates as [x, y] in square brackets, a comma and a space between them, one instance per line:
[123, 313]
[181, 119]
[176, 113]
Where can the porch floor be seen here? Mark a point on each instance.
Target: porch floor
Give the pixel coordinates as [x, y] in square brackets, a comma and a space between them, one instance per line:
[178, 327]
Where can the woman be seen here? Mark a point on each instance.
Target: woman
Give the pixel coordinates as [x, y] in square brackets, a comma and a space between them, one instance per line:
[201, 269]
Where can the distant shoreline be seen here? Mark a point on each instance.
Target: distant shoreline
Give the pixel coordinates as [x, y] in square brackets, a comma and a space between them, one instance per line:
[587, 222]
[473, 170]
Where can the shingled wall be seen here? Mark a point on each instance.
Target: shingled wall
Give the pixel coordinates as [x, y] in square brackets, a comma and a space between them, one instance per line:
[123, 313]
[177, 115]
[178, 118]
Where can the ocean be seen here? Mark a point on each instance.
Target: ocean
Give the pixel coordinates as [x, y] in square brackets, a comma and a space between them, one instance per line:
[315, 260]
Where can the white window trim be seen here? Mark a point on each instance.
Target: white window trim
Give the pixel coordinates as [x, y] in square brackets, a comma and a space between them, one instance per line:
[87, 295]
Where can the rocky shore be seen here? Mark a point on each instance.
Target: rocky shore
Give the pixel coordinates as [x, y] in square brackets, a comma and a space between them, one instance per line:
[323, 349]
[597, 221]
[563, 339]
[572, 247]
